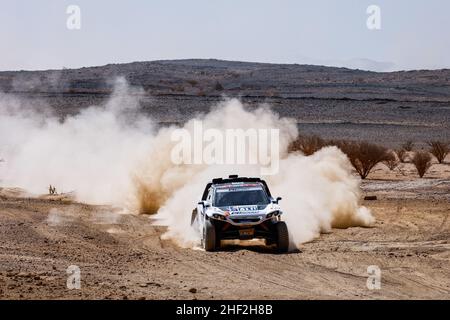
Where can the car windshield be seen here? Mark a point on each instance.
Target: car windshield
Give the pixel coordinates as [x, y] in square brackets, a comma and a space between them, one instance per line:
[240, 197]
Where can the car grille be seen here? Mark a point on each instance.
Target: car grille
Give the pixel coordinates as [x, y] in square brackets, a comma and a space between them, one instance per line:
[245, 220]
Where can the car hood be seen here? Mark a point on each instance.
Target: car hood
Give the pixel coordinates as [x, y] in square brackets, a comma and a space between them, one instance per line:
[252, 209]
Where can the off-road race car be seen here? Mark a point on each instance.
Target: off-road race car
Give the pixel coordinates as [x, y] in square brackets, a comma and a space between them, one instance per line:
[239, 208]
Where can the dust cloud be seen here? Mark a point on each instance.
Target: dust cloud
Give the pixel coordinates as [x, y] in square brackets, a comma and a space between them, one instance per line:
[114, 154]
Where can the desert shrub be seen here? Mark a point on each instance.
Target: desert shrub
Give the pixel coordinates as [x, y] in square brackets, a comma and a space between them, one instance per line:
[192, 82]
[178, 88]
[201, 93]
[402, 155]
[218, 86]
[307, 144]
[364, 156]
[408, 145]
[422, 162]
[405, 148]
[439, 149]
[391, 160]
[272, 92]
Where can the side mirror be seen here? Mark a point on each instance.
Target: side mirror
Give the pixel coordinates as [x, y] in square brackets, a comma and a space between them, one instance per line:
[205, 204]
[277, 199]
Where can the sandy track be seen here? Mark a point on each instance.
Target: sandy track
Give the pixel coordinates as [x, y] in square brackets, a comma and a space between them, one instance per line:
[122, 256]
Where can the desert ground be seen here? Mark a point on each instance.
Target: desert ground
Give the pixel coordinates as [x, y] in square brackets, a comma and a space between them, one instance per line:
[121, 256]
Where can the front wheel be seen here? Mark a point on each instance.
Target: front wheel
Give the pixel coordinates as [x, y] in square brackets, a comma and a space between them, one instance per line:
[282, 237]
[209, 236]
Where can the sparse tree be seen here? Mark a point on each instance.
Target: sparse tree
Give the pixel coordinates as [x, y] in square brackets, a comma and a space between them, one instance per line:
[439, 149]
[272, 92]
[192, 82]
[363, 156]
[391, 160]
[402, 155]
[178, 88]
[307, 144]
[408, 145]
[422, 162]
[218, 86]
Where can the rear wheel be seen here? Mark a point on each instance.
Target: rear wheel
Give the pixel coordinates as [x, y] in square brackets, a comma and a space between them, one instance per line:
[209, 236]
[282, 237]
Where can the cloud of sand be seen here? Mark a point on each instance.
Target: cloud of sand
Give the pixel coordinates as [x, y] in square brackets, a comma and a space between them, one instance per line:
[90, 153]
[113, 154]
[319, 192]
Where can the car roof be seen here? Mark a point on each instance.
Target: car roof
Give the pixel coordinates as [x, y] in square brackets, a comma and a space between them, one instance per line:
[233, 179]
[240, 185]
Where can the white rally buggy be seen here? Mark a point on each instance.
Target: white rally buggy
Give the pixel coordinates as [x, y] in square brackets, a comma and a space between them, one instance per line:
[239, 208]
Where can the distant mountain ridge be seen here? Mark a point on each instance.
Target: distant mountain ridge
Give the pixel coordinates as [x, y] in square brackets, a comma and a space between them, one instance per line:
[210, 77]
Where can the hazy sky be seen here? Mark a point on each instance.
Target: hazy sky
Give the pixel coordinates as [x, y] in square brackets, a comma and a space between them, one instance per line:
[414, 34]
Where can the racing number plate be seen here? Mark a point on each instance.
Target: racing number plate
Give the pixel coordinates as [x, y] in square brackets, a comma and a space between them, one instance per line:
[246, 232]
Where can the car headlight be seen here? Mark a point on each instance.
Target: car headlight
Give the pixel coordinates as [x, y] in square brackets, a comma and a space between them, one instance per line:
[218, 216]
[273, 214]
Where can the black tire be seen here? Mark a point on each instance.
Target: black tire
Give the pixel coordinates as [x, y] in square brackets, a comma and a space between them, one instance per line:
[282, 237]
[218, 243]
[209, 236]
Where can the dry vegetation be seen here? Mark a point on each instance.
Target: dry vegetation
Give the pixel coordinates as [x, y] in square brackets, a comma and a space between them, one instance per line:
[308, 144]
[402, 155]
[408, 146]
[422, 162]
[404, 151]
[364, 156]
[391, 160]
[218, 86]
[439, 149]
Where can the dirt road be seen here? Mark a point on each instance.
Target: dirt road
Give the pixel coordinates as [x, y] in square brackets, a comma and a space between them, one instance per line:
[122, 257]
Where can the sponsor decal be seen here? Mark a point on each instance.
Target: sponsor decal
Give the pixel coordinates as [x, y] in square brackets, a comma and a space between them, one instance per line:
[246, 209]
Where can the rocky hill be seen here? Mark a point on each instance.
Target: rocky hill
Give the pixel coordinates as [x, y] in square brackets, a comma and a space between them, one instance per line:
[216, 77]
[334, 102]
